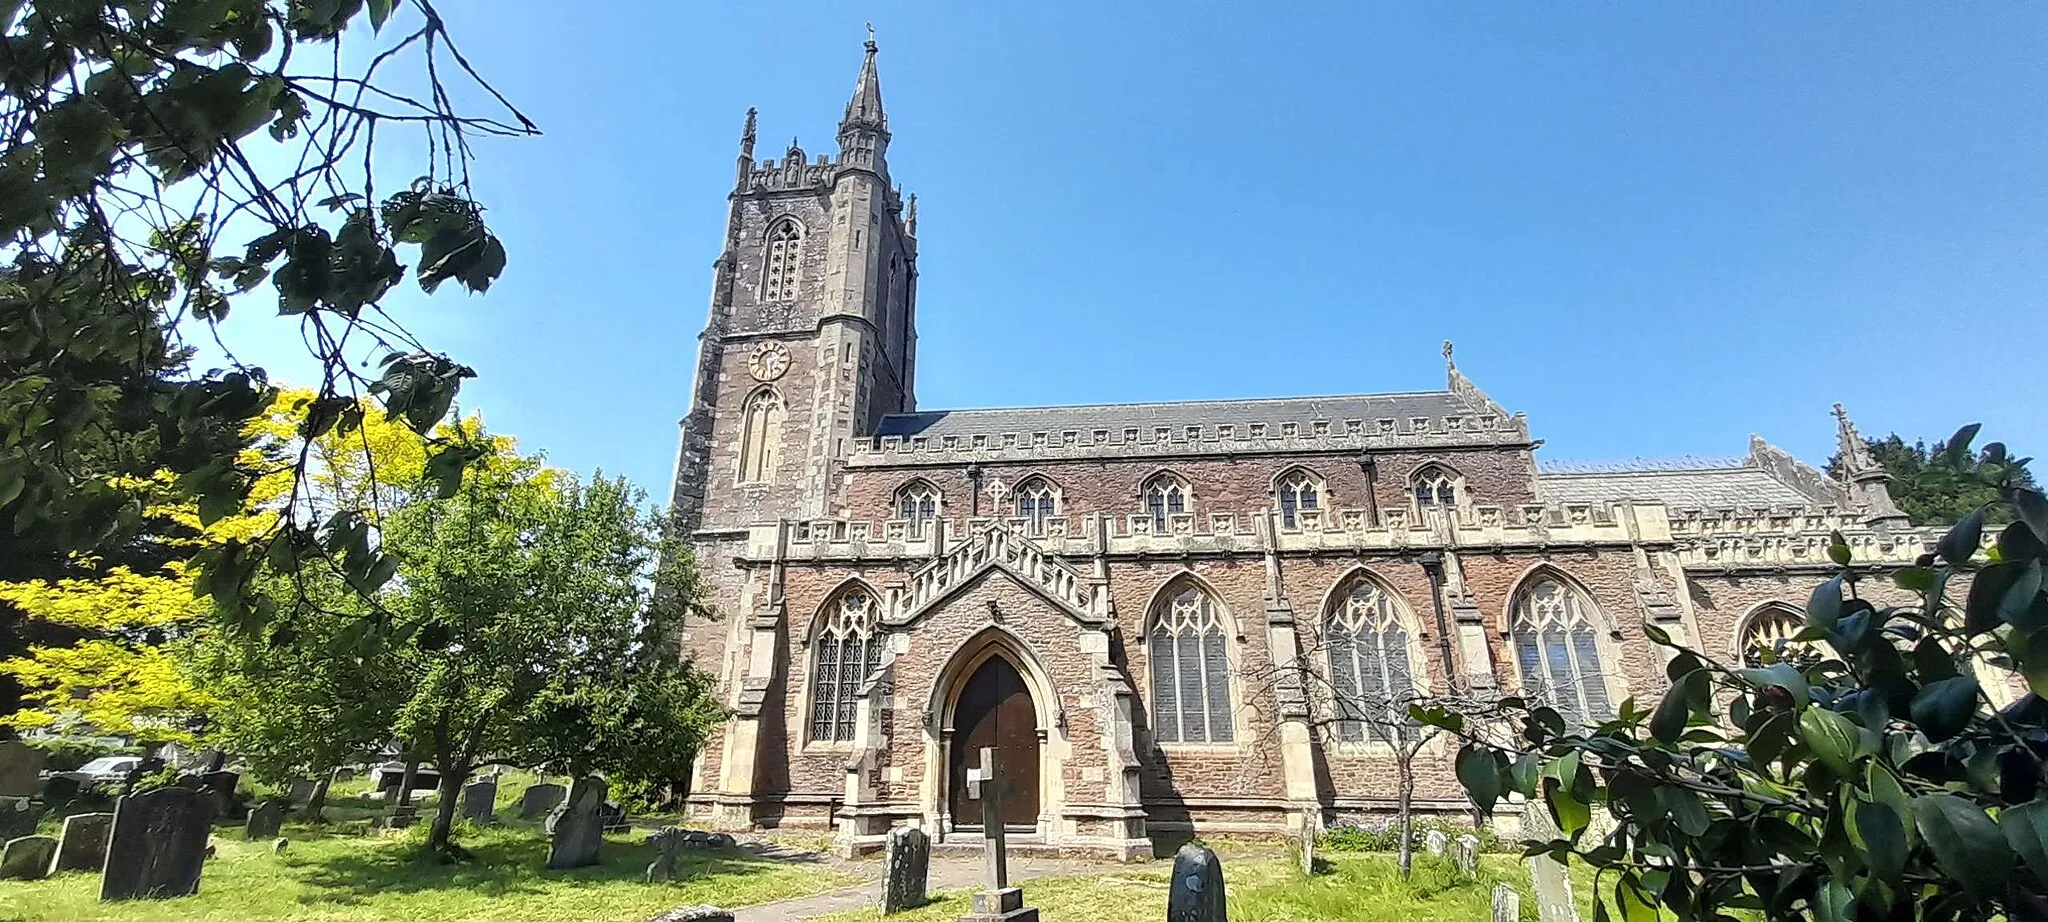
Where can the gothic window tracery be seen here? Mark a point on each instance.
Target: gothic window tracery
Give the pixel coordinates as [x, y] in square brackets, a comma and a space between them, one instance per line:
[1165, 495]
[918, 503]
[1559, 651]
[1190, 665]
[1767, 637]
[1367, 653]
[1037, 500]
[1298, 491]
[847, 649]
[760, 433]
[781, 270]
[1435, 488]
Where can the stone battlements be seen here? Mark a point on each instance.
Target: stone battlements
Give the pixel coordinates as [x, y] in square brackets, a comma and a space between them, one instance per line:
[1382, 434]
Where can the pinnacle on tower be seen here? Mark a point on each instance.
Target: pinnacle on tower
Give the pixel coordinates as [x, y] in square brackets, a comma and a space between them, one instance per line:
[1866, 478]
[864, 110]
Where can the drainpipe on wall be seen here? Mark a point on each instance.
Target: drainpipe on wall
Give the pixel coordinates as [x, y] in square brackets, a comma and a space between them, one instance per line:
[1371, 466]
[1433, 564]
[974, 490]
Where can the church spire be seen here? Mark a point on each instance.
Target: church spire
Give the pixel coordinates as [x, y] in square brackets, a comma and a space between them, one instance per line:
[864, 132]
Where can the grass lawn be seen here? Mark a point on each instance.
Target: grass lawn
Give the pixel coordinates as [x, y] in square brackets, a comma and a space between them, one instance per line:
[322, 878]
[1357, 888]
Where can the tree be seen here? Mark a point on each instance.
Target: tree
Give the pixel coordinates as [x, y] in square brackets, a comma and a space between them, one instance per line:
[144, 137]
[1876, 781]
[534, 632]
[1931, 492]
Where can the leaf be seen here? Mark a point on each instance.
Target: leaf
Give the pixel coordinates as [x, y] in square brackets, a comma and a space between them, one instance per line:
[2026, 830]
[1634, 904]
[2031, 649]
[1688, 811]
[1984, 608]
[380, 10]
[1524, 773]
[1480, 775]
[1943, 709]
[1824, 608]
[1834, 903]
[1779, 675]
[1880, 835]
[1914, 579]
[1886, 790]
[1955, 453]
[1966, 844]
[1832, 738]
[1962, 540]
[1668, 723]
[2032, 509]
[1838, 549]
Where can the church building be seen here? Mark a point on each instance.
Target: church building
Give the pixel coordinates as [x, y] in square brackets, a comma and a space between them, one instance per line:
[1118, 600]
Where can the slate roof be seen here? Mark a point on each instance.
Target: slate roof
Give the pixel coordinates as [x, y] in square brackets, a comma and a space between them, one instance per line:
[1176, 415]
[1723, 488]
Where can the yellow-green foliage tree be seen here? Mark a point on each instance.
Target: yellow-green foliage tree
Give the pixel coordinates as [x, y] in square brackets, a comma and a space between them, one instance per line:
[124, 670]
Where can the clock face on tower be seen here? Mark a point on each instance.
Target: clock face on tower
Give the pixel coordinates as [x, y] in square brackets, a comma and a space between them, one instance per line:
[768, 361]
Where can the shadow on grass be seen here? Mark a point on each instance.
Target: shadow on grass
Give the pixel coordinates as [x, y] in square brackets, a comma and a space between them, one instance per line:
[502, 862]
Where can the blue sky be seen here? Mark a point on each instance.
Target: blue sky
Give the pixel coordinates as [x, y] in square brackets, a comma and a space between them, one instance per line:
[1655, 228]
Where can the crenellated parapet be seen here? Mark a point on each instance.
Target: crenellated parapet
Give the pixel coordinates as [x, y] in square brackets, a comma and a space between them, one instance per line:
[1214, 438]
[1789, 537]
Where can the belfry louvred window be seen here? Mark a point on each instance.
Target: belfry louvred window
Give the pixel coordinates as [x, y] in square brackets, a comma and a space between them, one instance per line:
[847, 650]
[780, 271]
[1559, 651]
[760, 434]
[1190, 665]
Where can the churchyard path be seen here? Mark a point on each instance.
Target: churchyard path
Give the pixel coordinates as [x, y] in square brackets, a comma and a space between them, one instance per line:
[947, 873]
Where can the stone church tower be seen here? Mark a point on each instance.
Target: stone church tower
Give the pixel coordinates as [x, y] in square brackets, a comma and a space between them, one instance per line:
[812, 332]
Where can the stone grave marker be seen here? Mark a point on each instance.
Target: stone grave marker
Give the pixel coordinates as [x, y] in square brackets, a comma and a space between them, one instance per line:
[1000, 902]
[302, 790]
[1436, 842]
[1465, 853]
[906, 869]
[538, 799]
[83, 844]
[28, 857]
[403, 816]
[60, 789]
[18, 817]
[480, 801]
[265, 821]
[1507, 903]
[221, 784]
[612, 815]
[21, 766]
[158, 845]
[694, 914]
[1305, 843]
[1547, 876]
[1196, 887]
[578, 828]
[668, 848]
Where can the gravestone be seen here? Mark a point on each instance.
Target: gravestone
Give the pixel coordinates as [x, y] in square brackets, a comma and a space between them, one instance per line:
[1436, 842]
[221, 784]
[18, 817]
[265, 821]
[612, 815]
[28, 857]
[1507, 903]
[538, 799]
[1548, 878]
[1305, 843]
[906, 869]
[1196, 888]
[21, 766]
[480, 801]
[694, 914]
[158, 845]
[1465, 854]
[668, 848]
[403, 816]
[60, 789]
[1000, 902]
[578, 828]
[83, 844]
[302, 790]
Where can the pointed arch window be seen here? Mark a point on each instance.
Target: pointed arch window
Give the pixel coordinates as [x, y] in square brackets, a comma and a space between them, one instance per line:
[1767, 637]
[1435, 488]
[781, 270]
[1299, 491]
[848, 648]
[1037, 500]
[1165, 495]
[917, 503]
[1370, 675]
[1190, 665]
[1559, 651]
[760, 435]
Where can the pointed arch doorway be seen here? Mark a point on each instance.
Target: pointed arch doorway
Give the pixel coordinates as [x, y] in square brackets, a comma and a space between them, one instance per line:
[995, 711]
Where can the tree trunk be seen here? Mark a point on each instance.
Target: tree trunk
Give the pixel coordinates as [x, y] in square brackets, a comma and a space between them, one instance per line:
[412, 767]
[1405, 812]
[444, 812]
[318, 802]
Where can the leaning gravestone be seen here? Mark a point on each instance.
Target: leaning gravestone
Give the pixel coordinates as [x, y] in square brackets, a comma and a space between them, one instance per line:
[668, 849]
[578, 828]
[906, 869]
[538, 799]
[302, 790]
[158, 846]
[1507, 904]
[21, 767]
[1547, 875]
[480, 801]
[265, 821]
[18, 817]
[1436, 842]
[221, 784]
[28, 858]
[1465, 853]
[1197, 887]
[83, 844]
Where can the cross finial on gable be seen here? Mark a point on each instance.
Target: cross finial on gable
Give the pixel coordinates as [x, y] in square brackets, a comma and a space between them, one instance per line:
[1448, 362]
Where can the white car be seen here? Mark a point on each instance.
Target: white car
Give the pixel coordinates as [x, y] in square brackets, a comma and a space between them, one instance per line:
[107, 769]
